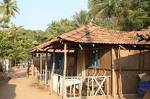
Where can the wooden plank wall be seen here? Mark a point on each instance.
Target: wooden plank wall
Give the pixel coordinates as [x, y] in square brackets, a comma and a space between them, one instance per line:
[80, 63]
[70, 63]
[105, 62]
[132, 63]
[105, 65]
[36, 62]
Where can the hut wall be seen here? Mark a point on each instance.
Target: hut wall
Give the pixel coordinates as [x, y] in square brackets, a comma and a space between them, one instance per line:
[131, 62]
[71, 65]
[104, 60]
[104, 67]
[127, 68]
[36, 62]
[81, 63]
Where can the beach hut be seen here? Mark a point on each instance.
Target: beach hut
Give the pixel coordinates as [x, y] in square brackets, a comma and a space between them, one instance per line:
[94, 62]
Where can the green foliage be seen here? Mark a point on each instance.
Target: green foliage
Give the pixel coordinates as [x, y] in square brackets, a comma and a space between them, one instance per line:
[16, 43]
[4, 44]
[125, 14]
[115, 14]
[81, 18]
[58, 27]
[21, 41]
[8, 9]
[102, 8]
[41, 36]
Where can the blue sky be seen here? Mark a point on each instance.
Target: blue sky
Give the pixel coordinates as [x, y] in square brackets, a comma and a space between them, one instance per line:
[37, 14]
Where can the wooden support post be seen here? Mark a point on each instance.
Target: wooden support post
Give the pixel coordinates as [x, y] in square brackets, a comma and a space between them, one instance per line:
[46, 60]
[70, 90]
[52, 73]
[120, 78]
[139, 62]
[112, 74]
[38, 73]
[83, 64]
[32, 66]
[107, 85]
[143, 60]
[64, 71]
[80, 86]
[88, 89]
[40, 55]
[74, 88]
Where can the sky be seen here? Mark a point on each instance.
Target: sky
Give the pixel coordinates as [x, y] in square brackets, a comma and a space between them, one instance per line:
[37, 14]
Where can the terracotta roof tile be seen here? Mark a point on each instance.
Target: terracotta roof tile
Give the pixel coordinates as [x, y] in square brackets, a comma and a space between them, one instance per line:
[95, 34]
[43, 45]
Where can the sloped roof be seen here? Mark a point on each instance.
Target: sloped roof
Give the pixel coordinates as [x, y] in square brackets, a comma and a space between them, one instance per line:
[94, 34]
[43, 45]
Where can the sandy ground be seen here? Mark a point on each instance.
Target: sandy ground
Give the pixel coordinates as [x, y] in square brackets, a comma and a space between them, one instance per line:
[21, 87]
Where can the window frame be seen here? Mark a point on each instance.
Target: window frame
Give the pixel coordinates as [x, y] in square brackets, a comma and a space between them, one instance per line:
[94, 56]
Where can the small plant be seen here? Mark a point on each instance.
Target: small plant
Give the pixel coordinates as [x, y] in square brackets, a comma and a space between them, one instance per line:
[2, 78]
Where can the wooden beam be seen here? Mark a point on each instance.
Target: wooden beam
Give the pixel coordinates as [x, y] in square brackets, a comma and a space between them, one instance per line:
[80, 46]
[112, 75]
[52, 73]
[120, 46]
[64, 71]
[61, 51]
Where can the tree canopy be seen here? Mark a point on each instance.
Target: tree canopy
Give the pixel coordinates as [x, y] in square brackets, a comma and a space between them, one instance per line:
[125, 14]
[56, 28]
[16, 43]
[8, 9]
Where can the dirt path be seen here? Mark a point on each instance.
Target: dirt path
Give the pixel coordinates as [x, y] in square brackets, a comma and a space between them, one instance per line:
[20, 88]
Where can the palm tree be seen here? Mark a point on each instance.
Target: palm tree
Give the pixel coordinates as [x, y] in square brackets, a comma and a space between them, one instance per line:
[56, 28]
[125, 14]
[102, 9]
[81, 18]
[8, 9]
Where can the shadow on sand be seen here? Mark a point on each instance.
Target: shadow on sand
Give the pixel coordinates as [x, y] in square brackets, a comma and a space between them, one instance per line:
[7, 91]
